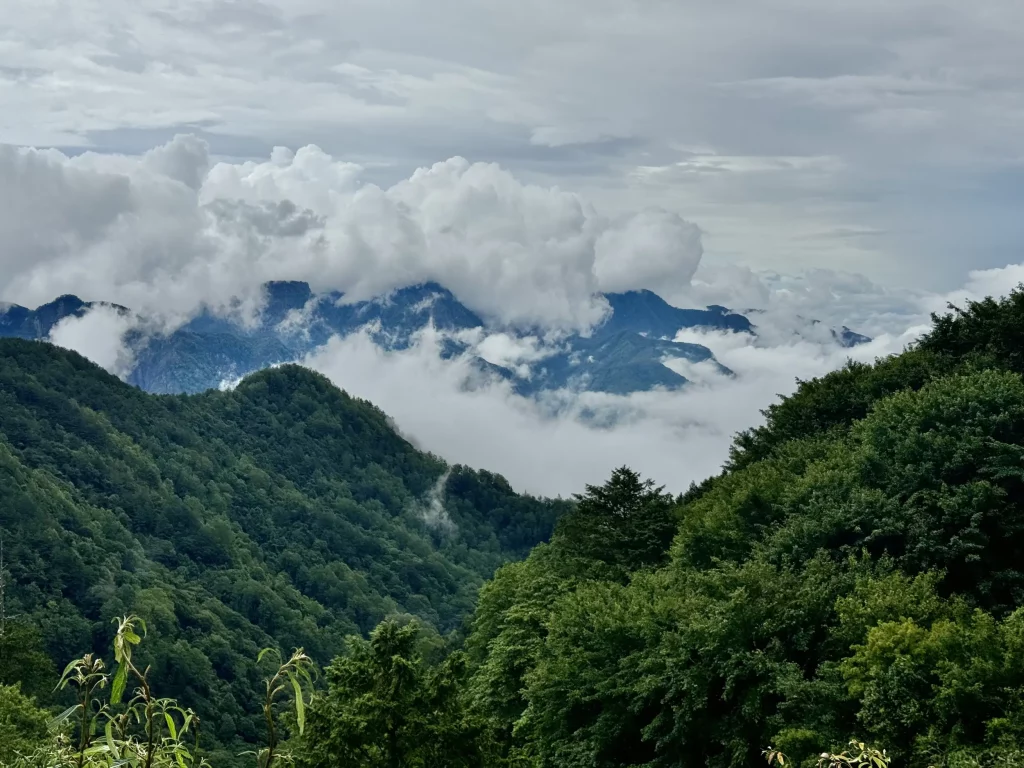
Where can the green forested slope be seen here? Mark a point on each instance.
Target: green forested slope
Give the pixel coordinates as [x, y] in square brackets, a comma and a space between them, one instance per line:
[283, 513]
[857, 571]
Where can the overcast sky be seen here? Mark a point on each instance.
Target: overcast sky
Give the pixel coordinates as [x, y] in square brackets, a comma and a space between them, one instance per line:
[883, 137]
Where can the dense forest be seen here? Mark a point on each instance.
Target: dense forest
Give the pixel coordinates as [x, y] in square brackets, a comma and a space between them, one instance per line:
[855, 572]
[283, 513]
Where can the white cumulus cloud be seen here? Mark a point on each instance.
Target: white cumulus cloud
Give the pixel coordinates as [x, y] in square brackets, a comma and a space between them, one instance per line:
[99, 335]
[167, 232]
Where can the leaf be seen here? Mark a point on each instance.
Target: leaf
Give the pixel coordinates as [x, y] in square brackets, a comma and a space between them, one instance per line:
[56, 721]
[170, 726]
[118, 686]
[300, 705]
[67, 671]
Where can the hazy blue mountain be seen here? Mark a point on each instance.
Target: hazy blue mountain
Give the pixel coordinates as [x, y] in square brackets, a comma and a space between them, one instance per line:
[187, 361]
[625, 353]
[617, 363]
[19, 322]
[848, 338]
[645, 312]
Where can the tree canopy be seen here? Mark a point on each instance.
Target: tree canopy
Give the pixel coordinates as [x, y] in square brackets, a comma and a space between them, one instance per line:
[854, 572]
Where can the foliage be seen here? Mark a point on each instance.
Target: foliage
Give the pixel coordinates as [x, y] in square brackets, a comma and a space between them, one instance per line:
[625, 524]
[142, 732]
[283, 513]
[22, 724]
[987, 334]
[856, 569]
[384, 707]
[23, 660]
[294, 678]
[860, 756]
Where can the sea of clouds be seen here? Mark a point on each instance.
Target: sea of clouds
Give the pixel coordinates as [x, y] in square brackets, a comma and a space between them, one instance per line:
[173, 231]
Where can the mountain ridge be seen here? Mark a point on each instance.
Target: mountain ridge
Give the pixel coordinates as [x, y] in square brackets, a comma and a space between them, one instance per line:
[624, 353]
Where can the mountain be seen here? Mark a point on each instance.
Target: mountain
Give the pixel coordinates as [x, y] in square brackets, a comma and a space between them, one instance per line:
[21, 323]
[618, 363]
[625, 353]
[646, 313]
[848, 338]
[281, 513]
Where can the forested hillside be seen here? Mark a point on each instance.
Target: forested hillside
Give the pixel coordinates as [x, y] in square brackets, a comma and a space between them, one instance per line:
[284, 513]
[857, 571]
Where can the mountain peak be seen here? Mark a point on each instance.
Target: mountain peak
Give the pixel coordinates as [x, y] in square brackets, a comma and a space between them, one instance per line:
[623, 354]
[283, 296]
[288, 378]
[646, 312]
[288, 290]
[66, 303]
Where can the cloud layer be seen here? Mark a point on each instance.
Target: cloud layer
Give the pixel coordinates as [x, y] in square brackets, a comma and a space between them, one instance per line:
[556, 447]
[99, 335]
[798, 134]
[169, 231]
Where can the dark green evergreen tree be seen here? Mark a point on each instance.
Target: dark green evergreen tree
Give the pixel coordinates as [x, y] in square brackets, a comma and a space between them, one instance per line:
[627, 523]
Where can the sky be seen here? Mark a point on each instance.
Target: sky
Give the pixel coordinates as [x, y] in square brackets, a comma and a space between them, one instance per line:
[856, 162]
[878, 136]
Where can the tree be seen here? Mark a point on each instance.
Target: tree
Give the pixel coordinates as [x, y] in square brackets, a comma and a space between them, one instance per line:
[627, 523]
[22, 724]
[22, 659]
[384, 708]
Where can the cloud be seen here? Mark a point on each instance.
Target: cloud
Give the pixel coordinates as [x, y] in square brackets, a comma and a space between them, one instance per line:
[99, 335]
[167, 233]
[654, 249]
[431, 509]
[557, 445]
[787, 303]
[981, 283]
[517, 353]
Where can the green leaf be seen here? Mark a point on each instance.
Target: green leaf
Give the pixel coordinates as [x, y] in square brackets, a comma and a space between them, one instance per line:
[67, 671]
[118, 686]
[56, 721]
[170, 726]
[300, 705]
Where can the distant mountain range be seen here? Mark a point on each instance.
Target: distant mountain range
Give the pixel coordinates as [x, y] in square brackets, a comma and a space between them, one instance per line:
[626, 353]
